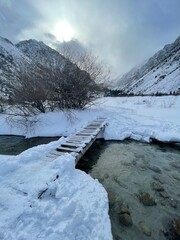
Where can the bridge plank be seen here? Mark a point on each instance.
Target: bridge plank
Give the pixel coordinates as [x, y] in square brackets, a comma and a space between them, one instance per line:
[68, 149]
[77, 144]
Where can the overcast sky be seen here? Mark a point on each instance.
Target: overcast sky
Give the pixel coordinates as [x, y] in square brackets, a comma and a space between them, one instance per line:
[122, 32]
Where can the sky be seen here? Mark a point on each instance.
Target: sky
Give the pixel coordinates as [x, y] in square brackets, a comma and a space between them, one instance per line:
[123, 33]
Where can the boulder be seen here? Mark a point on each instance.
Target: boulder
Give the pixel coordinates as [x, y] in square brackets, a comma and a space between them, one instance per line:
[146, 199]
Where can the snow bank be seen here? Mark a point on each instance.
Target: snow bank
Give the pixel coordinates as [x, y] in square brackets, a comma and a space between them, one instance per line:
[139, 118]
[49, 200]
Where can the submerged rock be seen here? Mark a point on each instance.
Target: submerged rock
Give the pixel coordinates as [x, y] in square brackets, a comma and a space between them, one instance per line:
[175, 164]
[120, 183]
[176, 225]
[164, 202]
[173, 230]
[158, 178]
[124, 209]
[125, 216]
[173, 203]
[125, 219]
[146, 199]
[112, 199]
[116, 237]
[155, 169]
[157, 187]
[176, 177]
[164, 194]
[145, 229]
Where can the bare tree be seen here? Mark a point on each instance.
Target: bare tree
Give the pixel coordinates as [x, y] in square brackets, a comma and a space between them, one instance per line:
[87, 61]
[29, 89]
[72, 88]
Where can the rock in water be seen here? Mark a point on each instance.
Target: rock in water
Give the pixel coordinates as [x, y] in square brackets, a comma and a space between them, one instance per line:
[175, 164]
[145, 229]
[124, 209]
[125, 219]
[155, 169]
[157, 187]
[164, 194]
[176, 177]
[146, 199]
[177, 227]
[173, 203]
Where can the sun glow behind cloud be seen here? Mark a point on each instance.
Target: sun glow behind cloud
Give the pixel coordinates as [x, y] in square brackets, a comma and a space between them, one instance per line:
[63, 31]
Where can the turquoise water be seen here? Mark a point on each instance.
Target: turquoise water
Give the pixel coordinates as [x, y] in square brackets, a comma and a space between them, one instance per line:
[130, 169]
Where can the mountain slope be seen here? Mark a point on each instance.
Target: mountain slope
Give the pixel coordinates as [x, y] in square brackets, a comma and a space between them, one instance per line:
[11, 60]
[43, 54]
[161, 73]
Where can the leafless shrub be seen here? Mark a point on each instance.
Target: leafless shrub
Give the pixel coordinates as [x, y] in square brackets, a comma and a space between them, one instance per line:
[169, 102]
[71, 88]
[85, 60]
[1, 105]
[23, 119]
[149, 101]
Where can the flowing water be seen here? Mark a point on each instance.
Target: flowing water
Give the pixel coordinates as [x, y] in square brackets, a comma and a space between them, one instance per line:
[14, 145]
[143, 185]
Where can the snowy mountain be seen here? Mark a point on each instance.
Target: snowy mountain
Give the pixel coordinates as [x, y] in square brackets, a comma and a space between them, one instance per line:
[33, 57]
[161, 73]
[43, 54]
[11, 60]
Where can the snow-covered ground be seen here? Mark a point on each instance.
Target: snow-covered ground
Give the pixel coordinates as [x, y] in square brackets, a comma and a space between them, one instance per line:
[49, 200]
[140, 118]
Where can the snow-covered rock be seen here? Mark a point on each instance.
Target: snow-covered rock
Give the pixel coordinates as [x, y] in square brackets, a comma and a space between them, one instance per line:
[161, 73]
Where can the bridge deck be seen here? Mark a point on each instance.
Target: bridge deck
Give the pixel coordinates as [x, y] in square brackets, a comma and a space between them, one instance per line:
[77, 144]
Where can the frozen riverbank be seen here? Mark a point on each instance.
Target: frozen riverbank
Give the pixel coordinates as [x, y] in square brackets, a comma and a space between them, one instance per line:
[140, 118]
[53, 200]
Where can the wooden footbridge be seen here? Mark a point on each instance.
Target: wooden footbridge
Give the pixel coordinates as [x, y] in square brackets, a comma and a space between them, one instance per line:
[78, 143]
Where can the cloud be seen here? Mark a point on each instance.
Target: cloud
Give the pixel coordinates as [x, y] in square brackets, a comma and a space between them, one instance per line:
[17, 16]
[122, 32]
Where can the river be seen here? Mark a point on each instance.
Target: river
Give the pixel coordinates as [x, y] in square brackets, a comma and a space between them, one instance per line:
[143, 185]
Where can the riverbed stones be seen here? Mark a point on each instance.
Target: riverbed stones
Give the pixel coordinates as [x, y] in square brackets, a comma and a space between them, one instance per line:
[125, 219]
[145, 229]
[157, 186]
[158, 178]
[164, 194]
[112, 199]
[173, 203]
[173, 230]
[155, 169]
[175, 164]
[146, 199]
[124, 209]
[177, 227]
[164, 202]
[176, 177]
[125, 216]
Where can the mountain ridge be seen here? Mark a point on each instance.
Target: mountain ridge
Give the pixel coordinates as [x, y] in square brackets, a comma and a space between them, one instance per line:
[162, 69]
